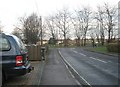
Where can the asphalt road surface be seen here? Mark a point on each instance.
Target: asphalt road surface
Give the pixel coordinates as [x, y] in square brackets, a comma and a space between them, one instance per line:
[55, 71]
[31, 79]
[95, 68]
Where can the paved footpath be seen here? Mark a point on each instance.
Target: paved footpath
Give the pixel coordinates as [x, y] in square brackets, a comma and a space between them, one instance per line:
[55, 71]
[29, 79]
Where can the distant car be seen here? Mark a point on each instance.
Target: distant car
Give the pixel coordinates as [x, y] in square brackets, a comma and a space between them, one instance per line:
[14, 57]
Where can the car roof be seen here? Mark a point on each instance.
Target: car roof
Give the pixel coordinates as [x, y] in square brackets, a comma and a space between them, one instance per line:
[7, 34]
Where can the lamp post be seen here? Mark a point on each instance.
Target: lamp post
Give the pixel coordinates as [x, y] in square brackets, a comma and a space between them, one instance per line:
[41, 30]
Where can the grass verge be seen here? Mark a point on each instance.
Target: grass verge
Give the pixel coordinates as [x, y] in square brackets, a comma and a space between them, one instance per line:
[102, 49]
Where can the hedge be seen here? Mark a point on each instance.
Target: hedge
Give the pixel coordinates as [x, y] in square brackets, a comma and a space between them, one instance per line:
[113, 47]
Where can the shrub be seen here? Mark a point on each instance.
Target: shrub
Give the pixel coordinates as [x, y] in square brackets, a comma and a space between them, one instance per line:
[113, 47]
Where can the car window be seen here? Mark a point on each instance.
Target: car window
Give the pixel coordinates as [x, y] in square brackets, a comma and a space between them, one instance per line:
[22, 46]
[20, 43]
[4, 44]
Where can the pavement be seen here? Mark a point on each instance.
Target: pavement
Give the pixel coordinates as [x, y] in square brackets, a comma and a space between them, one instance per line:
[55, 71]
[52, 71]
[33, 78]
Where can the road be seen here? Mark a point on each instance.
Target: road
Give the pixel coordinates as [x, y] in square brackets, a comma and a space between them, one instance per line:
[55, 71]
[94, 68]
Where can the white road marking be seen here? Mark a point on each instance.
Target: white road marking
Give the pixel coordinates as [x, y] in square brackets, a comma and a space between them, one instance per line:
[71, 73]
[78, 82]
[89, 57]
[72, 48]
[74, 51]
[74, 70]
[82, 54]
[79, 53]
[110, 61]
[98, 59]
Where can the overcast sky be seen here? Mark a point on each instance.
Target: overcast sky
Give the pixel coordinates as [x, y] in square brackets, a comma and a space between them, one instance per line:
[11, 10]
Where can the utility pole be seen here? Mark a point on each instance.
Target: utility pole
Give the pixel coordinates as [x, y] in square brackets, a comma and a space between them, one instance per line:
[41, 30]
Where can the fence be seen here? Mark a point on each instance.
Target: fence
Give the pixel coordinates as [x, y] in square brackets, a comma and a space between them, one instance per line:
[34, 52]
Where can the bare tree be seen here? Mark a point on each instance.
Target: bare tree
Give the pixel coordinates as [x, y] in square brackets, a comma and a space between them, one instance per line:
[50, 24]
[92, 35]
[31, 28]
[78, 33]
[111, 17]
[99, 15]
[1, 28]
[97, 34]
[63, 23]
[77, 26]
[17, 32]
[52, 29]
[84, 19]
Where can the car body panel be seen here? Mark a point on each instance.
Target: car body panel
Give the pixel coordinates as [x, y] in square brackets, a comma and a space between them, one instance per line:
[9, 67]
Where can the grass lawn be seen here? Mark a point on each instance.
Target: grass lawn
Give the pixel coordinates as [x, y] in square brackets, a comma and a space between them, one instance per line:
[102, 49]
[62, 46]
[99, 49]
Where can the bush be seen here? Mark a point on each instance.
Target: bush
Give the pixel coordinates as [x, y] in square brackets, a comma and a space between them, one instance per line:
[113, 47]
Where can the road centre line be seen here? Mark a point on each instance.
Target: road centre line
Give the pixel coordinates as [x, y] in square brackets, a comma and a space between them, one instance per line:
[79, 53]
[74, 51]
[90, 57]
[98, 59]
[82, 54]
[110, 61]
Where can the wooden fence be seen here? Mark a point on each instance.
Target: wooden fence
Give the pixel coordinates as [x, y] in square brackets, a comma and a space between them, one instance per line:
[34, 52]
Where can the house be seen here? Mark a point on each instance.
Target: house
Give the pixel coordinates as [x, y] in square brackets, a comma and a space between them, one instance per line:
[44, 42]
